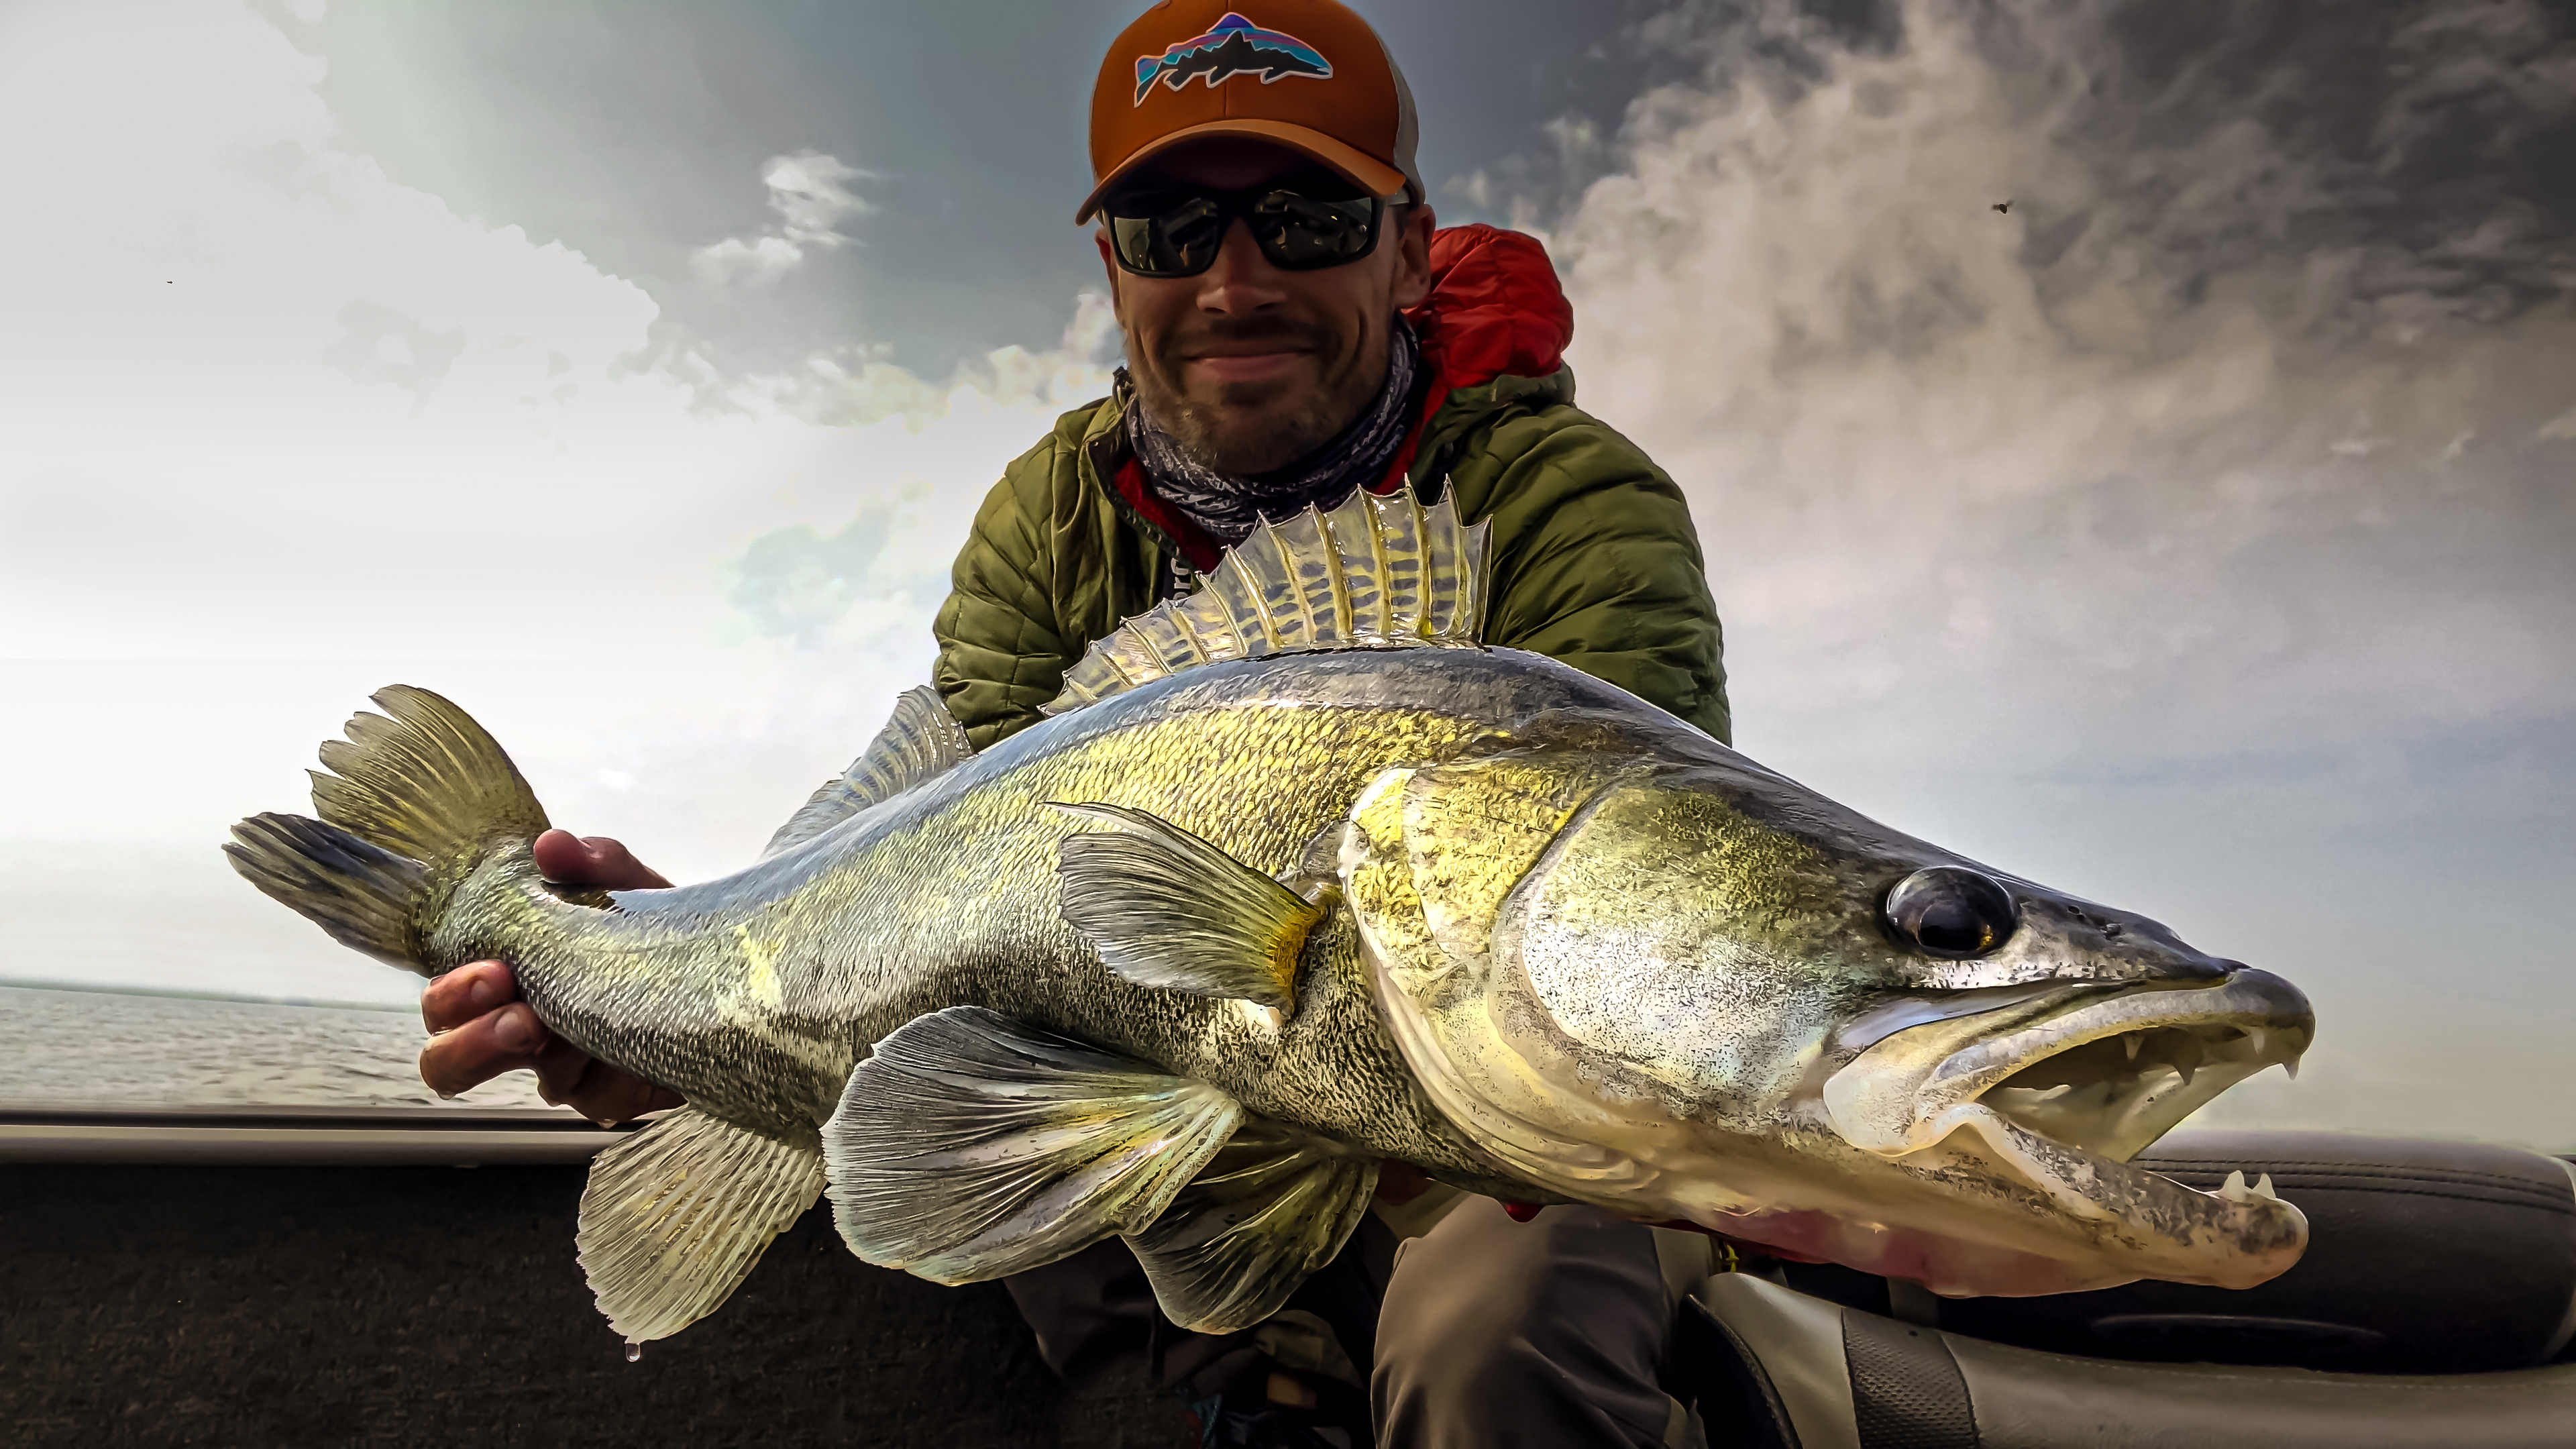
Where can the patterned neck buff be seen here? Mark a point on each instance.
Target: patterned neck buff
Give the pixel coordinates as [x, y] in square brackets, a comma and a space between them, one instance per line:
[1227, 507]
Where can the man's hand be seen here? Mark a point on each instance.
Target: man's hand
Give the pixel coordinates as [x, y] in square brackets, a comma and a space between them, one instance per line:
[479, 1028]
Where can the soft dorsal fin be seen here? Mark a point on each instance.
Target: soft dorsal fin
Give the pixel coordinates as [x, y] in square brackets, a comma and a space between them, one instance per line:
[1375, 573]
[920, 740]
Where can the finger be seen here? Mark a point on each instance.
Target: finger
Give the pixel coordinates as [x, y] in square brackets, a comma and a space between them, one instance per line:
[596, 861]
[609, 1095]
[599, 1091]
[619, 870]
[561, 1066]
[475, 989]
[481, 1049]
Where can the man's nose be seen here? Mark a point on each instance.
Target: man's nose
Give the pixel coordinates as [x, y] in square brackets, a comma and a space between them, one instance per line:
[1241, 279]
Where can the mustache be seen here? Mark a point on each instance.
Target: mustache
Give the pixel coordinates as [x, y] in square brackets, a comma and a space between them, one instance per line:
[1249, 329]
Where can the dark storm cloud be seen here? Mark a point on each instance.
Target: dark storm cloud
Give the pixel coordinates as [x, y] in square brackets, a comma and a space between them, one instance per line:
[2197, 531]
[637, 135]
[2293, 263]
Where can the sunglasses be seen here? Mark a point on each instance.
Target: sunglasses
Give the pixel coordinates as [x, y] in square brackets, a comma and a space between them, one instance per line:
[1300, 227]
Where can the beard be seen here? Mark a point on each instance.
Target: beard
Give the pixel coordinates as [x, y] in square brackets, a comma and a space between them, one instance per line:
[1250, 428]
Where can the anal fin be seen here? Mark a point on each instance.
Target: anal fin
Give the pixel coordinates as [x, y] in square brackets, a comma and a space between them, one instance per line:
[675, 1217]
[1263, 1217]
[1166, 908]
[969, 1146]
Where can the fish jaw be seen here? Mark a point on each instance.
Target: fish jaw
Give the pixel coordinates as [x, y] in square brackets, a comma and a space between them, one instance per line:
[2056, 1106]
[2104, 1223]
[2108, 1073]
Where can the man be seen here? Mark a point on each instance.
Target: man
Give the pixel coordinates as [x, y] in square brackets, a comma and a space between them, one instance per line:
[1296, 327]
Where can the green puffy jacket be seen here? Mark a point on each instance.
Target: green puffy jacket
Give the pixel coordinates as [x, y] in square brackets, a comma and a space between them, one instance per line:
[1592, 556]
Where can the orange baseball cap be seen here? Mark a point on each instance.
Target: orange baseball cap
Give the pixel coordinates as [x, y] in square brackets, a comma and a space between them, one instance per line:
[1307, 74]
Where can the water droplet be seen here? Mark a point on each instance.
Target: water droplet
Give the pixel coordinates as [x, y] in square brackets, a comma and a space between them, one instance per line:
[634, 1351]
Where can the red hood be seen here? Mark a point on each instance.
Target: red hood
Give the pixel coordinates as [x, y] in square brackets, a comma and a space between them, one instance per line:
[1495, 310]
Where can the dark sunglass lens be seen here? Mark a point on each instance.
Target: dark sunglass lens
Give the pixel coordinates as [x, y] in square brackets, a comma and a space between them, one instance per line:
[1301, 231]
[1173, 240]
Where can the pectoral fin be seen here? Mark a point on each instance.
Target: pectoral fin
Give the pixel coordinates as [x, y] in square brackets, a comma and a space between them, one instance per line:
[1165, 908]
[675, 1216]
[969, 1146]
[1270, 1210]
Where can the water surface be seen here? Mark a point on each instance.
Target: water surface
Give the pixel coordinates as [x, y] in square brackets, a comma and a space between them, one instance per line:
[118, 1049]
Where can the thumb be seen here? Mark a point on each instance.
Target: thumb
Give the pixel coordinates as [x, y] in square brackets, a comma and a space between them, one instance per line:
[596, 861]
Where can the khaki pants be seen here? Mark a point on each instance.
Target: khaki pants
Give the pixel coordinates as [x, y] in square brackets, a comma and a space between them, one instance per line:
[1482, 1331]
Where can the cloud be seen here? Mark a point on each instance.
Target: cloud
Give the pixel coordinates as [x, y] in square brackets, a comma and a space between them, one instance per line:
[759, 261]
[806, 190]
[379, 344]
[795, 583]
[2133, 537]
[278, 430]
[2177, 359]
[884, 567]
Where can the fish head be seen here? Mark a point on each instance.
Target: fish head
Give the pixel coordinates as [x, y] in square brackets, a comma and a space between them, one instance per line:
[1695, 991]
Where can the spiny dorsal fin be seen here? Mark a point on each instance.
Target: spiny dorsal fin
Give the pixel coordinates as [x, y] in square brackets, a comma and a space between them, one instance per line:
[919, 741]
[1375, 573]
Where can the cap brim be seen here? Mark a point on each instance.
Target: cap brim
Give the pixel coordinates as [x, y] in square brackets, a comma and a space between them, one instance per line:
[1356, 166]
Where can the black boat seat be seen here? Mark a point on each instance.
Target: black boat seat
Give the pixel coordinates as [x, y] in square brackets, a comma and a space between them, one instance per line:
[2423, 1257]
[1782, 1370]
[2438, 1279]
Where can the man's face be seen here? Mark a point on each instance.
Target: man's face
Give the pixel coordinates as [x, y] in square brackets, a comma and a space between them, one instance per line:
[1251, 368]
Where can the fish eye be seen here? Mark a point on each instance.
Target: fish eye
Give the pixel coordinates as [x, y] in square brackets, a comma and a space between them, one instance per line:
[1951, 912]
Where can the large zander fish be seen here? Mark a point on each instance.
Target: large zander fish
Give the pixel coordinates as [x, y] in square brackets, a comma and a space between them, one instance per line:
[1299, 879]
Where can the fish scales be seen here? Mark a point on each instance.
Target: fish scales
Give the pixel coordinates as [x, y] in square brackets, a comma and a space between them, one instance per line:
[947, 898]
[1259, 909]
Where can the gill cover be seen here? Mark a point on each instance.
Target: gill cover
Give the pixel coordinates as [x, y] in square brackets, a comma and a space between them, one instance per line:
[1588, 960]
[1429, 860]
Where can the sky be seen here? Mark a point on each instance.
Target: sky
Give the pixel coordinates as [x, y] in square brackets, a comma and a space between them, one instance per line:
[2198, 534]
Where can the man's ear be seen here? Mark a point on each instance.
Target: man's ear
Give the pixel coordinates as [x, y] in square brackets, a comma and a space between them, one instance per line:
[1413, 255]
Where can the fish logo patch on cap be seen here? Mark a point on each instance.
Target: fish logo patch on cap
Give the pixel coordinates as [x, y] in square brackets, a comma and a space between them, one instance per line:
[1235, 47]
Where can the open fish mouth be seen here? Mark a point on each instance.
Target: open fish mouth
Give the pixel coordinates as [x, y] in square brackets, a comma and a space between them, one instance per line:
[2058, 1091]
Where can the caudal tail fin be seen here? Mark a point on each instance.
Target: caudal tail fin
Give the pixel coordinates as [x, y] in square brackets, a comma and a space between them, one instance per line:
[415, 797]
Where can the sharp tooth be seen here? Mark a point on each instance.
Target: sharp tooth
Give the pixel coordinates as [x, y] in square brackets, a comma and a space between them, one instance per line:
[2263, 1188]
[2292, 1067]
[2131, 1042]
[2234, 1188]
